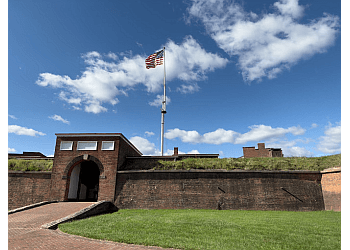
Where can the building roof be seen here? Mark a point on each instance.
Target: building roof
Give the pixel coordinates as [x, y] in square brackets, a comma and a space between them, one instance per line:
[99, 135]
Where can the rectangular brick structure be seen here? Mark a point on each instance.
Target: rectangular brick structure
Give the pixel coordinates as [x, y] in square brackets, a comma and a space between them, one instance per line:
[331, 188]
[249, 152]
[102, 151]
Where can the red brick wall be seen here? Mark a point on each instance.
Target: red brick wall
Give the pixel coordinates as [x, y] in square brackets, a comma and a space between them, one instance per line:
[25, 188]
[331, 188]
[249, 190]
[249, 152]
[109, 160]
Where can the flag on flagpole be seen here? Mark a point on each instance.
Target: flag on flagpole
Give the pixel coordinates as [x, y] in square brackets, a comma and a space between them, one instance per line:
[155, 59]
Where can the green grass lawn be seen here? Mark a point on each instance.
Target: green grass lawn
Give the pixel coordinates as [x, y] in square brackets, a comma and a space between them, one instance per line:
[214, 229]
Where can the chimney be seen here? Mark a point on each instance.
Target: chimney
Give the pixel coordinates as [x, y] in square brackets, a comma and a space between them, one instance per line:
[261, 146]
[176, 151]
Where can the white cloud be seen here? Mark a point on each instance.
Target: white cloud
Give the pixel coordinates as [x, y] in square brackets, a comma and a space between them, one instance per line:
[159, 100]
[297, 152]
[330, 143]
[194, 151]
[13, 117]
[265, 45]
[149, 148]
[112, 56]
[314, 125]
[11, 150]
[289, 148]
[58, 118]
[148, 133]
[220, 136]
[18, 130]
[103, 80]
[262, 132]
[188, 89]
[146, 147]
[290, 7]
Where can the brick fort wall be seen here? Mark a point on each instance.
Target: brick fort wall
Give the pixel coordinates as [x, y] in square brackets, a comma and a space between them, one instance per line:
[331, 188]
[25, 188]
[249, 190]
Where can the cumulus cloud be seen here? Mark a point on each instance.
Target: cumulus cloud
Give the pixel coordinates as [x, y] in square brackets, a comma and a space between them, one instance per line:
[267, 44]
[149, 148]
[220, 136]
[107, 76]
[145, 146]
[59, 118]
[290, 148]
[18, 130]
[11, 150]
[149, 133]
[262, 132]
[330, 143]
[297, 152]
[159, 100]
[188, 89]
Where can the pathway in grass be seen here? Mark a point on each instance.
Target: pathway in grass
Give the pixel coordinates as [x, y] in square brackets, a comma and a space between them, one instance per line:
[213, 229]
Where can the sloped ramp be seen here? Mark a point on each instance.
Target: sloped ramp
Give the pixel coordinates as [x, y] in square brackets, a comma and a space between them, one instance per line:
[27, 227]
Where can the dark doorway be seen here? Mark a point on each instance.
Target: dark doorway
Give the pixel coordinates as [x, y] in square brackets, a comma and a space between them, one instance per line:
[84, 184]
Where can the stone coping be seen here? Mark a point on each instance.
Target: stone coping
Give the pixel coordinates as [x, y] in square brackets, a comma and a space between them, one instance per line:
[30, 206]
[220, 171]
[331, 170]
[97, 208]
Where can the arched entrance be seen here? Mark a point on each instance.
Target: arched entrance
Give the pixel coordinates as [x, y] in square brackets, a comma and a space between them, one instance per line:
[84, 182]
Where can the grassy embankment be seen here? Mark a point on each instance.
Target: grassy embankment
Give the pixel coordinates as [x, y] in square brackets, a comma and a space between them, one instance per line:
[283, 163]
[280, 163]
[214, 229]
[30, 165]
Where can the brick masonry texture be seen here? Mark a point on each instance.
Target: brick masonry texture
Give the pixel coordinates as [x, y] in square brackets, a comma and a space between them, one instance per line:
[108, 159]
[25, 188]
[331, 188]
[219, 190]
[250, 152]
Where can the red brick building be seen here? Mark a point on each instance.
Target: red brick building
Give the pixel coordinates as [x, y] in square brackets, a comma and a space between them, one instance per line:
[85, 165]
[249, 152]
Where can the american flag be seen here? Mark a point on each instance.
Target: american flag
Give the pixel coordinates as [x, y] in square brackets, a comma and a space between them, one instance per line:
[155, 59]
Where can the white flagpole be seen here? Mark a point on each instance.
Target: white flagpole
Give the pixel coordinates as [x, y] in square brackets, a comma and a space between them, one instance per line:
[163, 110]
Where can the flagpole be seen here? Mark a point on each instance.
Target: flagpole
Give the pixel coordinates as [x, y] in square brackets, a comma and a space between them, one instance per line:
[163, 110]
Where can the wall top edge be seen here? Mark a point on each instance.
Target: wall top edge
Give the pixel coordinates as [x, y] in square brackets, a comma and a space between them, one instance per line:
[87, 134]
[220, 171]
[29, 172]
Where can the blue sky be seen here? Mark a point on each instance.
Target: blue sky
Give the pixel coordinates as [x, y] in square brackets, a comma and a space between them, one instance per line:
[238, 73]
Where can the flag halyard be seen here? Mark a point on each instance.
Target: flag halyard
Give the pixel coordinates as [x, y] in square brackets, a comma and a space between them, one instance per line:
[155, 59]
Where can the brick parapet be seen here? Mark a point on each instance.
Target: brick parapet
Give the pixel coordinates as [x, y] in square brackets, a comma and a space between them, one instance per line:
[25, 188]
[331, 188]
[250, 190]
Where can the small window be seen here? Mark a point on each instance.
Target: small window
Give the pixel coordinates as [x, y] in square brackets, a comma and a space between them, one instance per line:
[87, 145]
[108, 145]
[66, 145]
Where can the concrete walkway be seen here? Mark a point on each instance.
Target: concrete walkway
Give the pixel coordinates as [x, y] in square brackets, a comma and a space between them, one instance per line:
[25, 232]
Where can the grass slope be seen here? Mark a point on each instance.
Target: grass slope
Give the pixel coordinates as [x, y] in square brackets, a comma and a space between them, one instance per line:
[30, 165]
[263, 163]
[214, 229]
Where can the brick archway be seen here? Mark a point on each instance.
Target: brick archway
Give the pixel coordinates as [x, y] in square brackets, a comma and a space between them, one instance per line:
[80, 159]
[73, 163]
